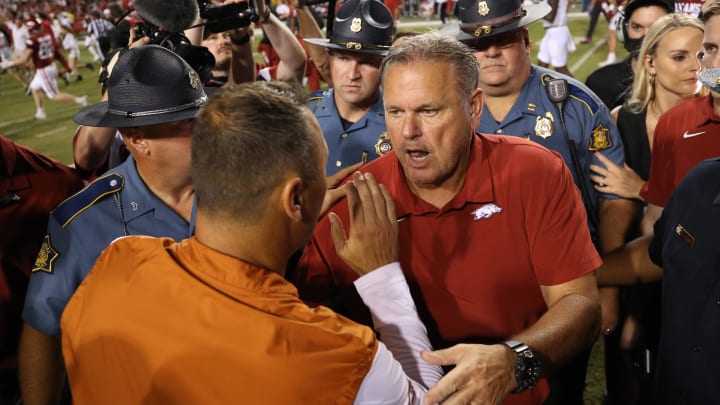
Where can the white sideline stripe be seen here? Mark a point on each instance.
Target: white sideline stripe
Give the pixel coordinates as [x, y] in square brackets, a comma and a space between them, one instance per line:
[30, 118]
[48, 133]
[599, 43]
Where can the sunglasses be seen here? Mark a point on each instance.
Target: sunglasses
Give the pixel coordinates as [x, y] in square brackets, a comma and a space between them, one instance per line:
[504, 40]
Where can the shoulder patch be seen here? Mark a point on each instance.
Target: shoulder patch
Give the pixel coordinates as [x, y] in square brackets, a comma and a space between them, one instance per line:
[85, 198]
[314, 99]
[600, 139]
[45, 257]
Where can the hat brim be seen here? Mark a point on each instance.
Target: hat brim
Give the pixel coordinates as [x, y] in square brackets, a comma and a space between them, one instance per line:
[324, 42]
[534, 12]
[97, 115]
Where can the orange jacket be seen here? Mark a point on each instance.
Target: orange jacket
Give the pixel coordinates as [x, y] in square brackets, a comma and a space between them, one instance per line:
[162, 322]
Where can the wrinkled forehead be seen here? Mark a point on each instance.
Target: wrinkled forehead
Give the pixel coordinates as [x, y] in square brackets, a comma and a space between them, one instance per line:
[360, 57]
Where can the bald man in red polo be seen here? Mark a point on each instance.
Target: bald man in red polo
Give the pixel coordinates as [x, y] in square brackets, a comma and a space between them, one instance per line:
[493, 235]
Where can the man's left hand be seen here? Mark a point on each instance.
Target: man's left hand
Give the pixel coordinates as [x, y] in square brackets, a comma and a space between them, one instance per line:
[373, 240]
[483, 374]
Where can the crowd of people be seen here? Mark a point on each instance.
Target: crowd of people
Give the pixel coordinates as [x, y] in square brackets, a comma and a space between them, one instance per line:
[444, 222]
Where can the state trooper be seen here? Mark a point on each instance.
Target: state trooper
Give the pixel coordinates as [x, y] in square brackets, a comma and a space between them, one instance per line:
[558, 112]
[351, 114]
[153, 98]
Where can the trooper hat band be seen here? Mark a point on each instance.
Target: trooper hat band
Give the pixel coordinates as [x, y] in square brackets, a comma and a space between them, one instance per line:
[487, 26]
[356, 46]
[129, 114]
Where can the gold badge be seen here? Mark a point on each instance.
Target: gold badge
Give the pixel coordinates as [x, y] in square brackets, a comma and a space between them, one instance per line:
[194, 80]
[544, 126]
[483, 29]
[685, 235]
[45, 257]
[483, 8]
[600, 139]
[356, 25]
[383, 144]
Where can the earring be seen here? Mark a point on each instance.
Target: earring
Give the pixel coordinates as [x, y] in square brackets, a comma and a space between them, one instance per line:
[652, 79]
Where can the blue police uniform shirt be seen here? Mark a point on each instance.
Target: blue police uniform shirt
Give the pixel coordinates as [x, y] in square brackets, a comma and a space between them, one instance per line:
[365, 139]
[588, 122]
[79, 229]
[686, 245]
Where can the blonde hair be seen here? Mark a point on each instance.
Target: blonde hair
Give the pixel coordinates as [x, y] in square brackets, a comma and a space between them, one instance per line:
[709, 9]
[643, 88]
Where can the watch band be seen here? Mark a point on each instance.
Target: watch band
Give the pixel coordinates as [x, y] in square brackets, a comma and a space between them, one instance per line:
[527, 366]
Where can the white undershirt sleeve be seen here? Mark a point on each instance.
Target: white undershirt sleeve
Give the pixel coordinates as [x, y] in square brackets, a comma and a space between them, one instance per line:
[397, 375]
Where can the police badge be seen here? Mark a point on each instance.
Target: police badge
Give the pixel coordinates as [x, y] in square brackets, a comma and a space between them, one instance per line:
[194, 80]
[383, 144]
[356, 25]
[483, 8]
[544, 126]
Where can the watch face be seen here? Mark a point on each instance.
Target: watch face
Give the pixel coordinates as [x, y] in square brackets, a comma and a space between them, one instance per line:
[527, 369]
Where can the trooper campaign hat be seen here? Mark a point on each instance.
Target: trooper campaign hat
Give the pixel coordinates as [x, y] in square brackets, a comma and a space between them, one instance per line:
[633, 5]
[360, 26]
[485, 18]
[148, 85]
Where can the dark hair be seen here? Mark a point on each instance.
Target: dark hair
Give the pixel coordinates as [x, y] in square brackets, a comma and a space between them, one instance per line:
[245, 141]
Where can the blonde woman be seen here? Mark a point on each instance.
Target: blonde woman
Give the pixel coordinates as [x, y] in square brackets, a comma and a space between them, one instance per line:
[665, 76]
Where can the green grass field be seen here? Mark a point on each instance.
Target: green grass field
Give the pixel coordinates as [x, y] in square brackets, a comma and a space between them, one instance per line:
[53, 136]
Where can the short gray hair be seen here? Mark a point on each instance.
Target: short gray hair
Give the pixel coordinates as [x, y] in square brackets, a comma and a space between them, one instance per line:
[434, 47]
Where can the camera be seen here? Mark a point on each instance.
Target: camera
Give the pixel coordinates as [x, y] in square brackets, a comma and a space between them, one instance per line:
[198, 57]
[228, 16]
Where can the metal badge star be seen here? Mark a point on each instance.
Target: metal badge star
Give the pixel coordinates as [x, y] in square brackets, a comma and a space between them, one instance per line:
[544, 126]
[483, 8]
[194, 80]
[356, 25]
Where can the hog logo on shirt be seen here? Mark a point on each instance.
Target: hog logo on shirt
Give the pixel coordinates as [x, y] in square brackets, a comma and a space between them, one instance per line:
[486, 211]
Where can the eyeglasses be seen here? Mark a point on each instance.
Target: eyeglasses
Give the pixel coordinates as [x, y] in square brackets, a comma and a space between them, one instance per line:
[503, 40]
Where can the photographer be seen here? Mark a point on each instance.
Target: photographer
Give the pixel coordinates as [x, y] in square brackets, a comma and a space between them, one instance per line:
[99, 149]
[232, 49]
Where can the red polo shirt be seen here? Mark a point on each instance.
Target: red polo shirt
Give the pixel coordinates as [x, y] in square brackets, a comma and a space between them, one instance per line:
[31, 185]
[684, 136]
[475, 266]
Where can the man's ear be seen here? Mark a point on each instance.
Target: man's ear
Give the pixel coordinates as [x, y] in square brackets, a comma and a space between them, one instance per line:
[135, 140]
[477, 100]
[291, 197]
[526, 40]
